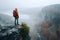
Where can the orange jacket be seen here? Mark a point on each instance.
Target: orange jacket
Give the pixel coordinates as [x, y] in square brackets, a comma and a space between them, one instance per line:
[15, 14]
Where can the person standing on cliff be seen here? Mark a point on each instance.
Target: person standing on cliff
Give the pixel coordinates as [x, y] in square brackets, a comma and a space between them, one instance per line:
[15, 15]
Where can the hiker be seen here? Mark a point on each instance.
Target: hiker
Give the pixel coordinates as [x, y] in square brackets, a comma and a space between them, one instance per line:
[24, 32]
[16, 16]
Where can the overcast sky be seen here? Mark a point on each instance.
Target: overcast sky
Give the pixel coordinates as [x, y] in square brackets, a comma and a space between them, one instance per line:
[26, 3]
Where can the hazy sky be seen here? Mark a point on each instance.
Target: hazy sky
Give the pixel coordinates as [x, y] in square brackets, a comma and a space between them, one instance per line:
[26, 3]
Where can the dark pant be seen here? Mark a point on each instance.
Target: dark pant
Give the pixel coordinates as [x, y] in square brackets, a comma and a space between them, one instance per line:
[16, 21]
